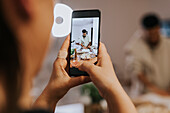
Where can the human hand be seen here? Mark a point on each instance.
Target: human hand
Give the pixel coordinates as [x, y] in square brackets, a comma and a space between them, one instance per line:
[104, 78]
[84, 47]
[88, 46]
[102, 74]
[60, 82]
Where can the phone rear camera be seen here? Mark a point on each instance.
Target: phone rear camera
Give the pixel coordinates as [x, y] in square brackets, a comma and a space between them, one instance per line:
[59, 20]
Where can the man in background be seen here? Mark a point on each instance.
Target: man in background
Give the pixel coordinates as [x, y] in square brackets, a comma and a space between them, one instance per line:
[148, 59]
[85, 40]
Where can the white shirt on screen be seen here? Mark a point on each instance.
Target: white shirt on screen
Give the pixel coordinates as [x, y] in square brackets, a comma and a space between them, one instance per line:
[85, 40]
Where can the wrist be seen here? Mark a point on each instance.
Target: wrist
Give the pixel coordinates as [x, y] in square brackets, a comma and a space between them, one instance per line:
[113, 90]
[46, 101]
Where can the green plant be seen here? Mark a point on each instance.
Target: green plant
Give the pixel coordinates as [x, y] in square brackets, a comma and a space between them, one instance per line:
[91, 90]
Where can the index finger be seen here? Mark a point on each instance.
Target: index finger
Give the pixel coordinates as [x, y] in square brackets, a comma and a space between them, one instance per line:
[103, 55]
[66, 44]
[102, 51]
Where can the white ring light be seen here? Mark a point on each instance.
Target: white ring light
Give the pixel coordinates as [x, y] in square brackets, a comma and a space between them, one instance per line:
[62, 20]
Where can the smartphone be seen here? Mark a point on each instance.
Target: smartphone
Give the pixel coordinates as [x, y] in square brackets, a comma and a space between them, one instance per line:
[84, 40]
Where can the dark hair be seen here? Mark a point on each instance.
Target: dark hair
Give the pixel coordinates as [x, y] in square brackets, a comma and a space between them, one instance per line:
[84, 31]
[9, 63]
[150, 21]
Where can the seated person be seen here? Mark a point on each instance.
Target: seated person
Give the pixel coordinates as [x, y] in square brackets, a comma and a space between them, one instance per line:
[148, 58]
[85, 39]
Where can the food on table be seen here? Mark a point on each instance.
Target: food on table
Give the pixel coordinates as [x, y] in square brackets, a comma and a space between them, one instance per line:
[85, 56]
[83, 51]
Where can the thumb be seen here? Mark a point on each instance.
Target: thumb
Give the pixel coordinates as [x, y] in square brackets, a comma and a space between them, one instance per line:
[88, 67]
[79, 80]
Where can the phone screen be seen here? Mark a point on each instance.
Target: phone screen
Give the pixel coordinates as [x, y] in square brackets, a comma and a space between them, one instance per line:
[84, 43]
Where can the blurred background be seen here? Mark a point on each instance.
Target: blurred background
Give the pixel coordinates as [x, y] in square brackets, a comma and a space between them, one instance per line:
[120, 20]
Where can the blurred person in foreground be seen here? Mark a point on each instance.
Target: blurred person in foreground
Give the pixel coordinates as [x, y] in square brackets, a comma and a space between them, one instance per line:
[148, 58]
[25, 27]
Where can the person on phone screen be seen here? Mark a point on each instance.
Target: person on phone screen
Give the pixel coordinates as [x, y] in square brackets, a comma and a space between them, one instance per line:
[85, 39]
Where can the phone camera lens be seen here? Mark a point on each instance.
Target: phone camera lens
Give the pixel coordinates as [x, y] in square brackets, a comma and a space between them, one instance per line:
[59, 20]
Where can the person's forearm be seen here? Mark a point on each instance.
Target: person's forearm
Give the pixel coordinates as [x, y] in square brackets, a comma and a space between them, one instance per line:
[45, 102]
[119, 102]
[89, 44]
[151, 86]
[82, 45]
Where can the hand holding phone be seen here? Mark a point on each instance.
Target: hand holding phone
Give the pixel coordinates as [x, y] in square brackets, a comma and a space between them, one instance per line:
[104, 78]
[60, 82]
[84, 41]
